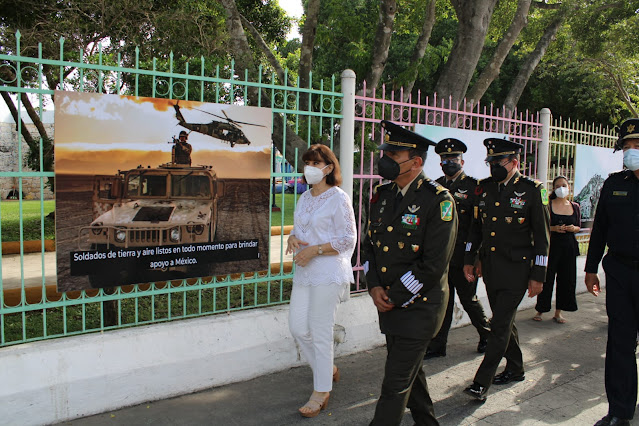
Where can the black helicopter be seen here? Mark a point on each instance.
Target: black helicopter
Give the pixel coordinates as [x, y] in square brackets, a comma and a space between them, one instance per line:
[228, 131]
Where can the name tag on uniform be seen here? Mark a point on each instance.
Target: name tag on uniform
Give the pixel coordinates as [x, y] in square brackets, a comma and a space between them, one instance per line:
[620, 193]
[410, 221]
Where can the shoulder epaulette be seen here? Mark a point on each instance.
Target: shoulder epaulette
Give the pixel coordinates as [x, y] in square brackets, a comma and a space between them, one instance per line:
[536, 183]
[434, 186]
[472, 179]
[381, 187]
[619, 173]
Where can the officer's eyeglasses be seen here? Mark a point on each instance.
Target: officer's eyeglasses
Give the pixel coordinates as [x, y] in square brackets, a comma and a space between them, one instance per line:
[455, 160]
[501, 162]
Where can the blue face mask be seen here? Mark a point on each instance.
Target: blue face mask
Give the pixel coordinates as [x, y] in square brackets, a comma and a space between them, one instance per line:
[631, 159]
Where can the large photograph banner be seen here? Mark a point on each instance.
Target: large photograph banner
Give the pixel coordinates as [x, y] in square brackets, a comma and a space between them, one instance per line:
[593, 164]
[157, 189]
[474, 164]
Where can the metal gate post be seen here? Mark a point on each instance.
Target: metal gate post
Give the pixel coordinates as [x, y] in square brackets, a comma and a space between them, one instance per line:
[347, 131]
[544, 147]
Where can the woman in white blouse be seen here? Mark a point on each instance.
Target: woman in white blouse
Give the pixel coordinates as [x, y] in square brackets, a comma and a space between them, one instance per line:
[323, 239]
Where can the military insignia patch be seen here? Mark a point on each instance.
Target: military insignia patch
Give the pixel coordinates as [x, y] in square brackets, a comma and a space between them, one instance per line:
[475, 211]
[381, 210]
[446, 210]
[544, 196]
[410, 221]
[521, 220]
[620, 193]
[509, 219]
[400, 245]
[383, 202]
[478, 190]
[415, 247]
[520, 194]
[414, 208]
[461, 195]
[378, 243]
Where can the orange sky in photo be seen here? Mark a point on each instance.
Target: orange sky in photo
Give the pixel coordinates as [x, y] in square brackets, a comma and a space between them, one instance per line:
[101, 134]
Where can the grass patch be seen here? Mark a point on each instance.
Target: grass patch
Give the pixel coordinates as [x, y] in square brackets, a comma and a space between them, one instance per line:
[287, 207]
[10, 220]
[143, 309]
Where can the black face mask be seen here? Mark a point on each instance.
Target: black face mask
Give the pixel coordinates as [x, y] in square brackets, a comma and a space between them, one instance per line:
[389, 168]
[498, 172]
[451, 169]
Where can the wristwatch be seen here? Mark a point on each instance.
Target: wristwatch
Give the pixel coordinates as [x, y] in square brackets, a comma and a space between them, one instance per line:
[319, 250]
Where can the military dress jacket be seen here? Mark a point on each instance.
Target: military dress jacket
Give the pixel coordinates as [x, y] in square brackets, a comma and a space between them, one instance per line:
[407, 250]
[616, 221]
[512, 224]
[463, 192]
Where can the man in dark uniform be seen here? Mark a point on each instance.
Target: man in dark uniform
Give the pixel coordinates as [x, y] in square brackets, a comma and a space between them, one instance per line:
[410, 239]
[510, 229]
[462, 188]
[182, 149]
[617, 225]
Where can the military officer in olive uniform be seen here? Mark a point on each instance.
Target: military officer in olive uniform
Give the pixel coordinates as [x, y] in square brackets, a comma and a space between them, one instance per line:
[617, 226]
[510, 229]
[406, 251]
[462, 188]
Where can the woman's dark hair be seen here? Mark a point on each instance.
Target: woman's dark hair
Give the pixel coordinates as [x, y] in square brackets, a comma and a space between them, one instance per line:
[319, 152]
[554, 181]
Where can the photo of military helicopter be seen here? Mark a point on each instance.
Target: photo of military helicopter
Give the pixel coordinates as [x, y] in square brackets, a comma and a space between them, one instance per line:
[228, 130]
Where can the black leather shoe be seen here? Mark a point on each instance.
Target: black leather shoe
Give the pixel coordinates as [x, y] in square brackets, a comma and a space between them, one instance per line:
[434, 354]
[477, 391]
[507, 377]
[609, 420]
[481, 346]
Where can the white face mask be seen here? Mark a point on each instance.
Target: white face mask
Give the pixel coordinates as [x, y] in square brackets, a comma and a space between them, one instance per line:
[314, 175]
[562, 192]
[631, 159]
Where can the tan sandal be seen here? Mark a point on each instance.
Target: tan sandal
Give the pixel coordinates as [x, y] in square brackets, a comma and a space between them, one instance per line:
[316, 404]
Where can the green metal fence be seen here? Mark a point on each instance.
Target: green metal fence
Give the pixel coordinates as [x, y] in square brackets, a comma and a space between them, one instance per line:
[30, 312]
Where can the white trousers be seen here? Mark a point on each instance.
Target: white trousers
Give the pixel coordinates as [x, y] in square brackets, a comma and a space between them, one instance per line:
[311, 320]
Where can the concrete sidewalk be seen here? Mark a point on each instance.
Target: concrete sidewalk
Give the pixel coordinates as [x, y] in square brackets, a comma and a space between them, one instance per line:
[564, 384]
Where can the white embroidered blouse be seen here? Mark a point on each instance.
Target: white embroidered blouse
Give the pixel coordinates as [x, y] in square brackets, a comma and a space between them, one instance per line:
[326, 218]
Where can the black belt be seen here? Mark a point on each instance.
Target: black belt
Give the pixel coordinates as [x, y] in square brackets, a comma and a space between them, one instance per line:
[628, 261]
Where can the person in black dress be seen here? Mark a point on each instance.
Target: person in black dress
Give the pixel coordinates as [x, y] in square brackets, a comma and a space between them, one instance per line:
[565, 222]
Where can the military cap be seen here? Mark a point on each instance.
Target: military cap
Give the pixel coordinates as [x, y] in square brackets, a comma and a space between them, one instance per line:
[183, 133]
[398, 138]
[496, 148]
[629, 130]
[450, 146]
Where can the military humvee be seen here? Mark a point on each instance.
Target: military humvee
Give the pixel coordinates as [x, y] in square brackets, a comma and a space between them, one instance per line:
[168, 205]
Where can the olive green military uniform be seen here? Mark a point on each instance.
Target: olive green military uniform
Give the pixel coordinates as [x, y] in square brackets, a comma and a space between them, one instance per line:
[463, 191]
[510, 229]
[407, 250]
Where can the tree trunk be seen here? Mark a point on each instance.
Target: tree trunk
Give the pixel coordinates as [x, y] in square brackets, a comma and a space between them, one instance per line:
[381, 45]
[491, 72]
[306, 50]
[474, 18]
[265, 49]
[420, 47]
[531, 63]
[244, 60]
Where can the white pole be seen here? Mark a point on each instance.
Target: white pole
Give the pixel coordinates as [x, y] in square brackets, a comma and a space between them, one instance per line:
[347, 131]
[544, 147]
